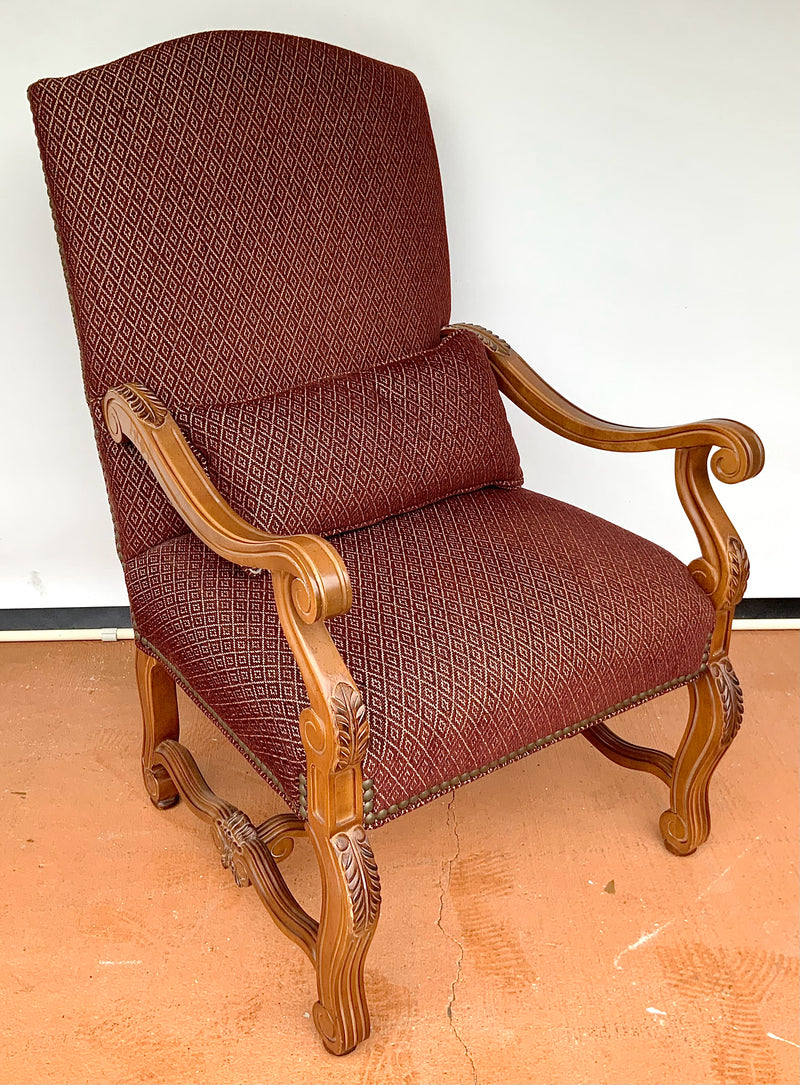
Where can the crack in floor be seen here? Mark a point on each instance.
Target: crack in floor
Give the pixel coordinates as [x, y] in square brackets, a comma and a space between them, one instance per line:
[444, 886]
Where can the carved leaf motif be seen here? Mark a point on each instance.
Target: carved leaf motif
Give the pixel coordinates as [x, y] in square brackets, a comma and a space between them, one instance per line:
[230, 835]
[352, 728]
[739, 566]
[361, 874]
[731, 696]
[143, 403]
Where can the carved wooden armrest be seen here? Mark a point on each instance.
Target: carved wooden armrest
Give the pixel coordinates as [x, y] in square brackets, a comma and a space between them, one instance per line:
[740, 455]
[723, 569]
[311, 584]
[320, 583]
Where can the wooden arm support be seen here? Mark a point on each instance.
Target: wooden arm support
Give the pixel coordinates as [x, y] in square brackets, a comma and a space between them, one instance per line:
[311, 584]
[320, 583]
[723, 568]
[740, 455]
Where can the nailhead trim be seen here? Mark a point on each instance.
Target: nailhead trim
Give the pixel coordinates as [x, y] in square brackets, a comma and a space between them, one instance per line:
[371, 819]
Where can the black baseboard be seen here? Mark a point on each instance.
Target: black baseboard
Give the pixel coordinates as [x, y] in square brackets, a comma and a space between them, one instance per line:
[768, 608]
[120, 617]
[66, 618]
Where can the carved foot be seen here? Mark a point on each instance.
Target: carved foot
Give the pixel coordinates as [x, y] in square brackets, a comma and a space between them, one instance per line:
[351, 906]
[160, 718]
[715, 715]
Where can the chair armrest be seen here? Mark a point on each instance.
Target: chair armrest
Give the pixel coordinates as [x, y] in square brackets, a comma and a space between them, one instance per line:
[320, 584]
[740, 455]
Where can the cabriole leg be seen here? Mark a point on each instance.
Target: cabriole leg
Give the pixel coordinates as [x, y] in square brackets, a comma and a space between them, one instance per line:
[715, 715]
[160, 717]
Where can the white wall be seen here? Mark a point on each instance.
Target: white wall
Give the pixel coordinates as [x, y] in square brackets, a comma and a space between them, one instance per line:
[621, 182]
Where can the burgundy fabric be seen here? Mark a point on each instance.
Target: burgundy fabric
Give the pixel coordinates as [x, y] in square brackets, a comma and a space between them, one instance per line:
[481, 625]
[240, 212]
[339, 454]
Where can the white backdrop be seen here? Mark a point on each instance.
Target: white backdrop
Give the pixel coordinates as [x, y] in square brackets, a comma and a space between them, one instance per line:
[621, 186]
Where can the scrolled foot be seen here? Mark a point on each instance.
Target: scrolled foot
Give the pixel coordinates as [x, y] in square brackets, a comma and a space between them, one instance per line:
[331, 1032]
[160, 788]
[677, 837]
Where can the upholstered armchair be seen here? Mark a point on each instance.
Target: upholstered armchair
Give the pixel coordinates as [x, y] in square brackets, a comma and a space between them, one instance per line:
[316, 493]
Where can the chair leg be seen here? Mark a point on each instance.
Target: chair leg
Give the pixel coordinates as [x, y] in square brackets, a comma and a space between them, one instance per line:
[350, 908]
[715, 715]
[160, 717]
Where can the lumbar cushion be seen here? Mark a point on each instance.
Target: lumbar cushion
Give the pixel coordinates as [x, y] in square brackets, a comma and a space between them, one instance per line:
[343, 453]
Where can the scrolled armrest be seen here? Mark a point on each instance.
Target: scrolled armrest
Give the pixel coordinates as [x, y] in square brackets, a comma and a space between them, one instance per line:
[740, 452]
[321, 585]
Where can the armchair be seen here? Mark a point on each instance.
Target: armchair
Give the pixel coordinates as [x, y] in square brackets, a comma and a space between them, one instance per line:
[253, 238]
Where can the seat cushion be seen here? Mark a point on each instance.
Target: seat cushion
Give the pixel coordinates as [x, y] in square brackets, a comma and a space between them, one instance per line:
[483, 627]
[338, 454]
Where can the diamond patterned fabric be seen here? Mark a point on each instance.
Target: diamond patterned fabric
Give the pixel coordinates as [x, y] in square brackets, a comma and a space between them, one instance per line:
[239, 212]
[339, 454]
[483, 626]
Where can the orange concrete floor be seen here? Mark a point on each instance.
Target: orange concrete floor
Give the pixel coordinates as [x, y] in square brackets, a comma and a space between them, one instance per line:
[534, 929]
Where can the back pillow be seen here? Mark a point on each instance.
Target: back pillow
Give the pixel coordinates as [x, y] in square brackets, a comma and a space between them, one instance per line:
[342, 453]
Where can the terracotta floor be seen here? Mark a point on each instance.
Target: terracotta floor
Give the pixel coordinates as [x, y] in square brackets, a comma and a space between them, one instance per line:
[534, 929]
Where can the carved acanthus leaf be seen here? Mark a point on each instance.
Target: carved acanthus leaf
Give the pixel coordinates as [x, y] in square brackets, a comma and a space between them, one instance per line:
[352, 729]
[739, 572]
[143, 403]
[731, 696]
[230, 836]
[361, 876]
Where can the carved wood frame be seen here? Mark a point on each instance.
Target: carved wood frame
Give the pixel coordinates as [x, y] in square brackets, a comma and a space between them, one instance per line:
[311, 584]
[715, 698]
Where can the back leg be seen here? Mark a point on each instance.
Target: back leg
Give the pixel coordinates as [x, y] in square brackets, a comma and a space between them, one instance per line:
[159, 702]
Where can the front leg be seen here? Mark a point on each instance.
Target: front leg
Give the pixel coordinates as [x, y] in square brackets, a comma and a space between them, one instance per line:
[715, 714]
[715, 698]
[350, 908]
[335, 733]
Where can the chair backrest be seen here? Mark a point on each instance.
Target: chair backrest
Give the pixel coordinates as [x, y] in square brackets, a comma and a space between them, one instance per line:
[239, 213]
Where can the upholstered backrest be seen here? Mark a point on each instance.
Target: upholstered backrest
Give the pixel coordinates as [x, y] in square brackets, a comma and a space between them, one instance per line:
[239, 213]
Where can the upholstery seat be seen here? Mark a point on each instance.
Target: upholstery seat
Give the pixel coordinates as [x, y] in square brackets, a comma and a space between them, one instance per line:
[483, 627]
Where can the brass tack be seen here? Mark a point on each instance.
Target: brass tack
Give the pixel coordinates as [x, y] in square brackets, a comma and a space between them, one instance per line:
[394, 808]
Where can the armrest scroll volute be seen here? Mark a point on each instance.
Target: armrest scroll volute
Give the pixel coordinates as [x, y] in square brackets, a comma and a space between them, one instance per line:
[320, 582]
